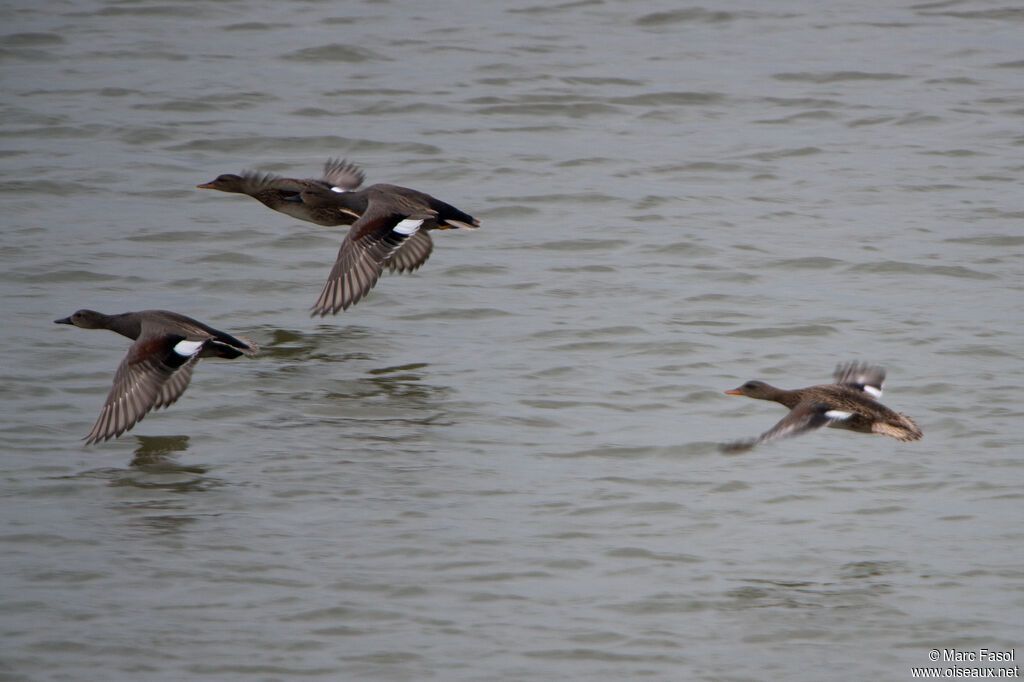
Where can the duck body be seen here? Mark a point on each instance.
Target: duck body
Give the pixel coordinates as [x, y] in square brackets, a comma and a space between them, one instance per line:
[159, 364]
[850, 403]
[354, 202]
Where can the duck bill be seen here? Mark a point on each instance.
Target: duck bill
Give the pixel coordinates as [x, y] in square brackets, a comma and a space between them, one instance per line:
[208, 185]
[64, 320]
[734, 391]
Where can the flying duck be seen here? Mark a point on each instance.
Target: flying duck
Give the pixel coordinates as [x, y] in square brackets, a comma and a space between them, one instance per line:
[335, 199]
[158, 366]
[849, 403]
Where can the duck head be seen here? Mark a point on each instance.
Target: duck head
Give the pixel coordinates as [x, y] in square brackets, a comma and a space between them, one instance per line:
[755, 389]
[228, 182]
[84, 318]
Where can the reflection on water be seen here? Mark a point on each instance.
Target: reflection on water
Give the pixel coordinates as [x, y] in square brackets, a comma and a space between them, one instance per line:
[159, 514]
[155, 454]
[154, 465]
[322, 343]
[403, 384]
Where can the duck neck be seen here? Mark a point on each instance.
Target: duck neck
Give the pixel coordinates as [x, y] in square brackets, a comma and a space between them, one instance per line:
[125, 324]
[788, 398]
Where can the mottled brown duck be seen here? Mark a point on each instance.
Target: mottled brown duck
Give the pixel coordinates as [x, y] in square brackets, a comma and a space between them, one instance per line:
[849, 403]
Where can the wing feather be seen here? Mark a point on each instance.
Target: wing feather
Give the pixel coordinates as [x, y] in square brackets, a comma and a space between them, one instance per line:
[412, 254]
[343, 175]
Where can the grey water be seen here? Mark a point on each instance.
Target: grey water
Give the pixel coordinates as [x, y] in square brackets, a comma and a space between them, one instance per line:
[505, 465]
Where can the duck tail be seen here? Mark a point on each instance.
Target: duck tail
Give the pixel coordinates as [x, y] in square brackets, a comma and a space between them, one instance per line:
[251, 347]
[914, 432]
[903, 428]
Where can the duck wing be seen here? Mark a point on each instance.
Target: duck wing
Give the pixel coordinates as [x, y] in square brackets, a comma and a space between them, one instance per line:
[371, 240]
[154, 373]
[412, 254]
[342, 175]
[176, 384]
[804, 417]
[864, 378]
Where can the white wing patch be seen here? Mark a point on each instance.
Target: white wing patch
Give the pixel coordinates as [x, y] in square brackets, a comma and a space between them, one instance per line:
[408, 226]
[339, 190]
[188, 348]
[873, 391]
[838, 414]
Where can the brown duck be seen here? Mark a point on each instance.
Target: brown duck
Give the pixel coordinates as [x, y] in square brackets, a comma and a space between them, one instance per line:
[334, 200]
[158, 366]
[850, 403]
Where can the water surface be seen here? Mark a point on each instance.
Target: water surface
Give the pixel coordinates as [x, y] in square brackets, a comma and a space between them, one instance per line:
[505, 465]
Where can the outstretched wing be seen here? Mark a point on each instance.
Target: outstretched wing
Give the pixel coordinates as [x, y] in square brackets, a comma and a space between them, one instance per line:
[802, 418]
[369, 243]
[154, 373]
